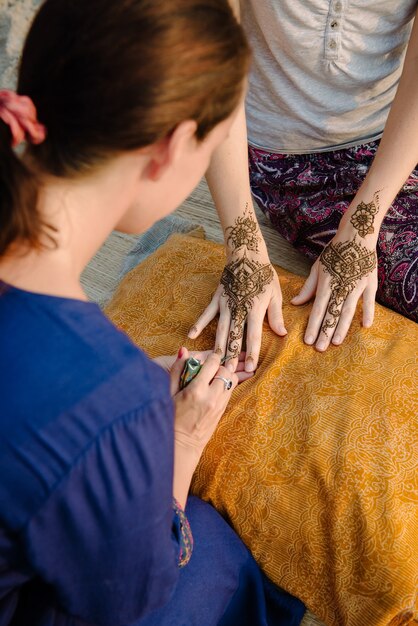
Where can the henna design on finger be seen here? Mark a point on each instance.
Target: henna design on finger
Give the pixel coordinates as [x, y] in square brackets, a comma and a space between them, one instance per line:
[250, 360]
[245, 232]
[363, 217]
[347, 262]
[243, 280]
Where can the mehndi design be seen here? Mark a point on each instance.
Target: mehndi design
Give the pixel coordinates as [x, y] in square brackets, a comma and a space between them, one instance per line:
[243, 280]
[347, 263]
[244, 233]
[363, 217]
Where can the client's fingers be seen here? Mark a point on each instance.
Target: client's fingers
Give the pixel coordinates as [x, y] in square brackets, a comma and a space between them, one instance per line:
[207, 316]
[369, 303]
[331, 319]
[275, 314]
[308, 290]
[233, 349]
[222, 330]
[347, 314]
[243, 376]
[242, 355]
[319, 309]
[254, 333]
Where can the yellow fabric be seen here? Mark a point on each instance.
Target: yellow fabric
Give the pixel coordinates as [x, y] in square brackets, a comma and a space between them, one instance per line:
[315, 464]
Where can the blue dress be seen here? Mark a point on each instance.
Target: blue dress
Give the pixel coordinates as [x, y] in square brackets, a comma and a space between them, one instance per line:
[88, 533]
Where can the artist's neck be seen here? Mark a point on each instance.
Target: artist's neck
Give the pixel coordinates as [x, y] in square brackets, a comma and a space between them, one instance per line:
[80, 216]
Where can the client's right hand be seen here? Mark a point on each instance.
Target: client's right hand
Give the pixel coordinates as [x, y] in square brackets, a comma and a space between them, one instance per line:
[200, 406]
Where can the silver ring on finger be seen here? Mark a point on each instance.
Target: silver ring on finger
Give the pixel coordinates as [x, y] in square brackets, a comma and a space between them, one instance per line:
[227, 382]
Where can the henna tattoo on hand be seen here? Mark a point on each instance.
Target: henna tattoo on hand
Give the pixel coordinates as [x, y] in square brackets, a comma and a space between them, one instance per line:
[347, 263]
[363, 217]
[243, 280]
[245, 232]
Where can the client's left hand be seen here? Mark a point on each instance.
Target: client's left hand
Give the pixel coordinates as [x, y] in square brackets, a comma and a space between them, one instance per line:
[345, 271]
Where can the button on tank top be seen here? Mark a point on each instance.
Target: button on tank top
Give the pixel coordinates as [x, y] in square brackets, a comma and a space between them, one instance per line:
[324, 72]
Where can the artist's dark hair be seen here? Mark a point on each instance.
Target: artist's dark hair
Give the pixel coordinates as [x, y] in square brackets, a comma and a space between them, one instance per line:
[108, 76]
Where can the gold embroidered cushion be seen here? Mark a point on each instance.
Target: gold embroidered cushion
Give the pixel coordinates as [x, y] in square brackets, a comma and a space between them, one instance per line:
[315, 463]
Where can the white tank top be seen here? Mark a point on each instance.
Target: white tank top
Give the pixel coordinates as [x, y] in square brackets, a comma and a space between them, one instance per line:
[324, 72]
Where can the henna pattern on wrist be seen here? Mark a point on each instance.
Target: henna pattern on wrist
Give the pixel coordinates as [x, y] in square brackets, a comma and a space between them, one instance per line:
[245, 232]
[363, 217]
[243, 280]
[347, 262]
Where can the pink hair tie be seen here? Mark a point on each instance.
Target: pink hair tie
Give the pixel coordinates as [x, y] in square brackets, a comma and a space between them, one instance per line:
[19, 113]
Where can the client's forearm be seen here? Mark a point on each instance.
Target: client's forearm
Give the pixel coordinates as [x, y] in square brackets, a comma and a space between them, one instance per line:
[228, 179]
[397, 154]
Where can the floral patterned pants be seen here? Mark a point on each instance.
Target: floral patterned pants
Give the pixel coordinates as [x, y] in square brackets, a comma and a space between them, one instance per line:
[305, 196]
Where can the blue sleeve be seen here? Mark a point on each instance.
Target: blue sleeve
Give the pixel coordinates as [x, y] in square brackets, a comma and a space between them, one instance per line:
[105, 539]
